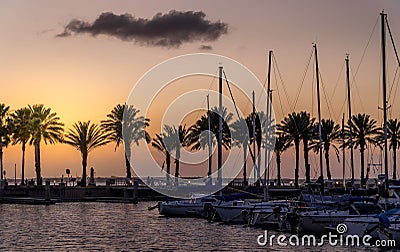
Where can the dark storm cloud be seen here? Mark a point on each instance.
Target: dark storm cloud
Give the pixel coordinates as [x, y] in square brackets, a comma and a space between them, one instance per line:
[205, 47]
[165, 30]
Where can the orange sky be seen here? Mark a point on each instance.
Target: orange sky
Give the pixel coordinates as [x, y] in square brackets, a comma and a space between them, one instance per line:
[82, 77]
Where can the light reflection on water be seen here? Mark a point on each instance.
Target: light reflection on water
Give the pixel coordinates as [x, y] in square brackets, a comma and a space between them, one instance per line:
[121, 227]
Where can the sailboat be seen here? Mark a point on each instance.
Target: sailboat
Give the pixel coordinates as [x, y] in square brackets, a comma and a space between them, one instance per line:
[196, 205]
[373, 224]
[254, 213]
[185, 208]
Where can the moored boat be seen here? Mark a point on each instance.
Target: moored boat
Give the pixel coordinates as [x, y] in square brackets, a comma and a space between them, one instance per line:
[241, 211]
[318, 221]
[186, 208]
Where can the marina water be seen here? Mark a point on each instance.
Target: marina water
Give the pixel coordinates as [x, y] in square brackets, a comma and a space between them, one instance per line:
[94, 226]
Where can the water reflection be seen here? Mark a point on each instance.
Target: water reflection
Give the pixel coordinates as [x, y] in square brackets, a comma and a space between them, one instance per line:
[120, 227]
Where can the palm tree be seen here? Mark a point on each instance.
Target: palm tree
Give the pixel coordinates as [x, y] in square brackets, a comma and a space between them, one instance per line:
[159, 144]
[198, 140]
[282, 143]
[255, 137]
[85, 137]
[296, 125]
[198, 137]
[21, 133]
[308, 132]
[124, 125]
[240, 137]
[4, 132]
[46, 126]
[330, 133]
[176, 138]
[365, 132]
[393, 133]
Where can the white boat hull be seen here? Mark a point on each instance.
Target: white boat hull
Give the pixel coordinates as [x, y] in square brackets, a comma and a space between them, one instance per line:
[233, 214]
[242, 213]
[270, 219]
[317, 222]
[189, 207]
[362, 225]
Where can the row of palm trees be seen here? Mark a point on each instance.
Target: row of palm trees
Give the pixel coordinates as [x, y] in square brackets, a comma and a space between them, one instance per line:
[36, 124]
[297, 127]
[32, 125]
[294, 129]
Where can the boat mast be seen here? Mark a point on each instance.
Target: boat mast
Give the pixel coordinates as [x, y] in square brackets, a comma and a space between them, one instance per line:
[253, 119]
[209, 139]
[350, 122]
[219, 179]
[383, 17]
[267, 122]
[344, 154]
[319, 119]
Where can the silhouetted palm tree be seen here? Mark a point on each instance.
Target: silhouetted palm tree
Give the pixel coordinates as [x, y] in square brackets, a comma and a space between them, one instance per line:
[282, 143]
[21, 133]
[393, 134]
[199, 140]
[198, 133]
[46, 126]
[296, 125]
[255, 137]
[5, 132]
[124, 125]
[159, 144]
[330, 133]
[176, 138]
[365, 132]
[85, 137]
[309, 131]
[240, 137]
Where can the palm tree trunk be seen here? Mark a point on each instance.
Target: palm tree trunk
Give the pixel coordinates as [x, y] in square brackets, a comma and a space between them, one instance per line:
[1, 158]
[328, 171]
[23, 164]
[362, 165]
[37, 164]
[245, 164]
[128, 167]
[84, 165]
[258, 165]
[178, 154]
[168, 161]
[296, 171]
[307, 165]
[394, 160]
[127, 160]
[278, 166]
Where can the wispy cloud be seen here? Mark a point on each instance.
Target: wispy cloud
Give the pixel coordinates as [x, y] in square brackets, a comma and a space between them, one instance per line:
[164, 30]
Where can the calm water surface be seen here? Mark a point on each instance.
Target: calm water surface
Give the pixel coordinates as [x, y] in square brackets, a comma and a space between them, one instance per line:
[121, 227]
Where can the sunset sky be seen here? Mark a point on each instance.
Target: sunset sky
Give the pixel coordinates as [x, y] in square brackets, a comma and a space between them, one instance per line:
[82, 76]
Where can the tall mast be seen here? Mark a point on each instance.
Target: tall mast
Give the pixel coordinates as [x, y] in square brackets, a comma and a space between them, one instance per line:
[344, 154]
[350, 122]
[383, 17]
[319, 119]
[209, 139]
[219, 179]
[267, 122]
[253, 118]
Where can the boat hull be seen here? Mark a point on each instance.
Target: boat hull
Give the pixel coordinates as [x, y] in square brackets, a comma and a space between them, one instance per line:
[317, 222]
[270, 219]
[362, 225]
[179, 210]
